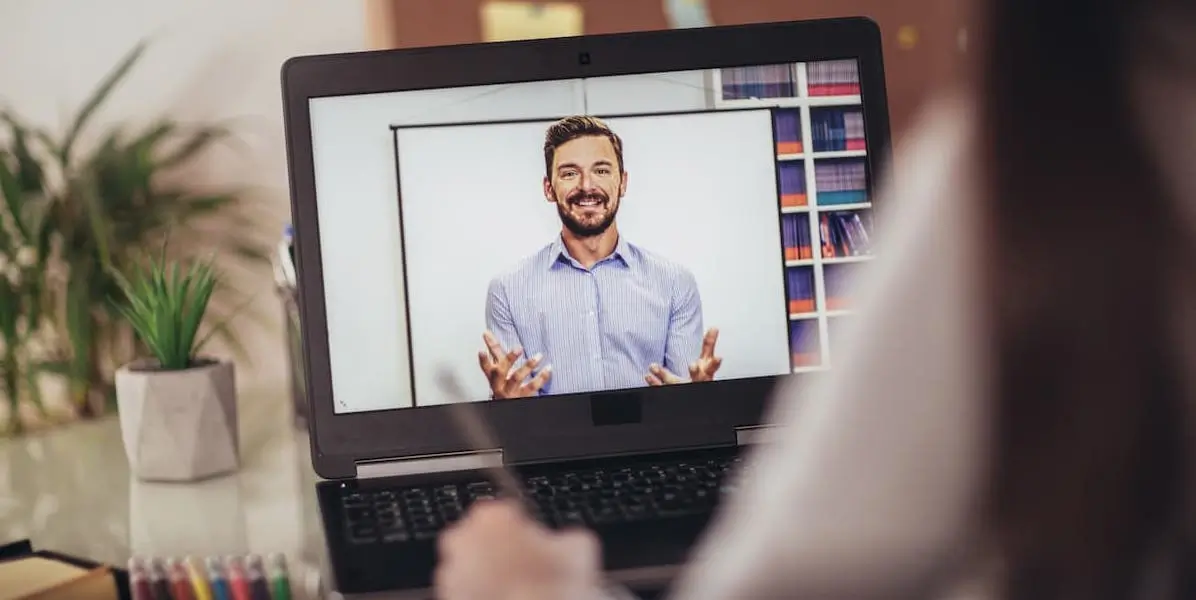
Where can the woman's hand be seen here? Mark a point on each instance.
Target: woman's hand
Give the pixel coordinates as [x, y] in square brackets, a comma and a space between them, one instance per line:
[496, 552]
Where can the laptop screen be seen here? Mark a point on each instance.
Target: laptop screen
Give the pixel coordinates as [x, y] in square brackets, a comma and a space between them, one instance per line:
[571, 236]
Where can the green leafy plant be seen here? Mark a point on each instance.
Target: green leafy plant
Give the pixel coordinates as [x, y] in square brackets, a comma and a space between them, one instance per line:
[88, 203]
[165, 305]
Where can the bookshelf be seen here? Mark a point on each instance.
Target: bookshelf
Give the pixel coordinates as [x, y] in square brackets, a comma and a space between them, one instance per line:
[823, 198]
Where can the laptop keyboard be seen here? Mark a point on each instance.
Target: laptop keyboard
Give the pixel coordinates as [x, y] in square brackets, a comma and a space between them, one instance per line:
[586, 497]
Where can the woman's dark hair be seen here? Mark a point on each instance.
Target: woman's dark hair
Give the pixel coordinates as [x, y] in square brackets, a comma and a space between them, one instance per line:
[1082, 240]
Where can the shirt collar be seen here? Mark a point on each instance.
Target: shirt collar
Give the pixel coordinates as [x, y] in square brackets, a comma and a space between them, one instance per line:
[559, 254]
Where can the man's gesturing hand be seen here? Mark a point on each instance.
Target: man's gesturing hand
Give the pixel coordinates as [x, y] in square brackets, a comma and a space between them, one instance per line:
[506, 381]
[702, 369]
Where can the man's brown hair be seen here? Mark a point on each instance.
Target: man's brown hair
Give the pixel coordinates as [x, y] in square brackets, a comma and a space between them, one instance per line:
[571, 128]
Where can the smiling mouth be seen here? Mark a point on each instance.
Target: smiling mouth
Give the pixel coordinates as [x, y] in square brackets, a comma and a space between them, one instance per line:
[589, 202]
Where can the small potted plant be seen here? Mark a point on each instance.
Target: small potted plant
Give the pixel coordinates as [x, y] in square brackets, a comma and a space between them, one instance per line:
[178, 409]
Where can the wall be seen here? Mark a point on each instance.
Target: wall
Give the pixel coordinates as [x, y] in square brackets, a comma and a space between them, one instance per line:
[209, 59]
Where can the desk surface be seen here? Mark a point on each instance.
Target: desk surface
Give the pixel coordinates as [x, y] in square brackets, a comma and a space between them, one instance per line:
[69, 490]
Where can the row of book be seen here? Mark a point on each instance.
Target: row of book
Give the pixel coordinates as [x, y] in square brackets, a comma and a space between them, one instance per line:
[787, 125]
[833, 78]
[792, 181]
[838, 183]
[841, 181]
[837, 128]
[801, 293]
[845, 233]
[795, 236]
[799, 290]
[803, 344]
[764, 81]
[823, 78]
[832, 129]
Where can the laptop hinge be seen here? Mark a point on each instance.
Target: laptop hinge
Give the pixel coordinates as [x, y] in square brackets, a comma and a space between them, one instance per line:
[754, 434]
[429, 463]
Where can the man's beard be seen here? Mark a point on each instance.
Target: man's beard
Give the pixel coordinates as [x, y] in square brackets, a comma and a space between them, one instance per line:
[583, 230]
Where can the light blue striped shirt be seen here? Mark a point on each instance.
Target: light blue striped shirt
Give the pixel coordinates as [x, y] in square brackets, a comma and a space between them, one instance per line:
[599, 328]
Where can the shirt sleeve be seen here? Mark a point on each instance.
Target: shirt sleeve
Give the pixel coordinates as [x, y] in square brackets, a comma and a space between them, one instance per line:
[499, 319]
[684, 343]
[868, 489]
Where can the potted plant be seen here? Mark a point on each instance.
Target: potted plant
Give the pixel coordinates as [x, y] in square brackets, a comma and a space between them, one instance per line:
[80, 202]
[178, 409]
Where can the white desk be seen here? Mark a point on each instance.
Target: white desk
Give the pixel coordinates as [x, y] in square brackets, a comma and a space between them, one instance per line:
[68, 490]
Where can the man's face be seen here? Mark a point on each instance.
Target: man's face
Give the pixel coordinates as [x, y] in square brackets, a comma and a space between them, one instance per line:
[586, 185]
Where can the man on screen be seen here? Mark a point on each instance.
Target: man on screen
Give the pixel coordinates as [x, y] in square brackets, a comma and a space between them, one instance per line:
[591, 310]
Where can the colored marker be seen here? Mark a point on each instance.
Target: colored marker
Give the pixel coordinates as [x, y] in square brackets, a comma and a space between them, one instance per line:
[238, 583]
[139, 584]
[179, 585]
[216, 578]
[198, 583]
[259, 590]
[159, 581]
[279, 580]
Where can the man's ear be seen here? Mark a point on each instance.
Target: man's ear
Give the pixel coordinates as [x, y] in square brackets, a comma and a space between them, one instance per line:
[548, 195]
[623, 185]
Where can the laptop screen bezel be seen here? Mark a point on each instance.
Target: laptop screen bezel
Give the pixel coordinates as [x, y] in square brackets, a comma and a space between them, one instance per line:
[560, 426]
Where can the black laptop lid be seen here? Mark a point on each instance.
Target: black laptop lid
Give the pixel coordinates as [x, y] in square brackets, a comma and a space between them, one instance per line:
[438, 193]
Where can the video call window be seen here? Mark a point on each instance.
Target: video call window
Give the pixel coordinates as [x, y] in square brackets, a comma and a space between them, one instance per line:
[575, 236]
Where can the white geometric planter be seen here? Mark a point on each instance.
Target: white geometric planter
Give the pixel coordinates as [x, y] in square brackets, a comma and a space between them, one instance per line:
[178, 425]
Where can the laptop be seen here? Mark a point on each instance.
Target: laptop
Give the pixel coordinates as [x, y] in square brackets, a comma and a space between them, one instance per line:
[618, 244]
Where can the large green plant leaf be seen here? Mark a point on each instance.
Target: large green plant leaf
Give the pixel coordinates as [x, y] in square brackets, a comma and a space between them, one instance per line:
[101, 93]
[14, 198]
[165, 305]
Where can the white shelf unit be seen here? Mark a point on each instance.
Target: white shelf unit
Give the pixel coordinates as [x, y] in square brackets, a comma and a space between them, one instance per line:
[802, 102]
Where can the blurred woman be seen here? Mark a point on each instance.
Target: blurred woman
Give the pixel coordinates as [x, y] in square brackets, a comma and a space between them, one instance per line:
[1016, 417]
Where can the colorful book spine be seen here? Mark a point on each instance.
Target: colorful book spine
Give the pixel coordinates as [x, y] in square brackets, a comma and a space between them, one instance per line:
[845, 234]
[787, 124]
[803, 343]
[792, 176]
[795, 236]
[833, 78]
[837, 128]
[841, 181]
[762, 81]
[799, 283]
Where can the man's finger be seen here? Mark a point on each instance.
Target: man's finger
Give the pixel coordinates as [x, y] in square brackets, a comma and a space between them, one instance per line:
[516, 376]
[514, 355]
[490, 368]
[715, 363]
[695, 371]
[653, 380]
[539, 381]
[708, 342]
[495, 348]
[663, 374]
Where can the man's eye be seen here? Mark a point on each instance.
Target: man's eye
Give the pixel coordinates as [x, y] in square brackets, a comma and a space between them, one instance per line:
[604, 172]
[568, 174]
